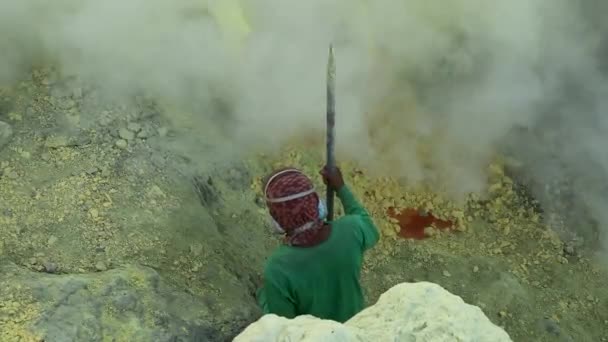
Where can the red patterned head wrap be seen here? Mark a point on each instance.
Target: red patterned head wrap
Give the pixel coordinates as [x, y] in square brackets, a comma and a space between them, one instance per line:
[293, 203]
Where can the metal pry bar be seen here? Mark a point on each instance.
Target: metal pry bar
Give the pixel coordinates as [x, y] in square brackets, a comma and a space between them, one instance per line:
[331, 120]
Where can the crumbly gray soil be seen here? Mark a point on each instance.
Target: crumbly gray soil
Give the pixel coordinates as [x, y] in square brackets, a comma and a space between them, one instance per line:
[107, 233]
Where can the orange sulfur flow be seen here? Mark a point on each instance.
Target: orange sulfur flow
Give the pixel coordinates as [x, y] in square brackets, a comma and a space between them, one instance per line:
[413, 223]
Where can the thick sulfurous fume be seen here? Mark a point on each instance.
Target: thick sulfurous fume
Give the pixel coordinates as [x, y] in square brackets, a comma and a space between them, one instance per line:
[425, 90]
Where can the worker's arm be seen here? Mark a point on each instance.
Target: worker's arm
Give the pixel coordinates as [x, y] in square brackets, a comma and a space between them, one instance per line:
[366, 229]
[274, 297]
[369, 232]
[350, 203]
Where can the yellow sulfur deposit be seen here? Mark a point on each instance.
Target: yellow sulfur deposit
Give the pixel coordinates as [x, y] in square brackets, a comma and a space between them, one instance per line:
[378, 194]
[499, 206]
[17, 310]
[231, 20]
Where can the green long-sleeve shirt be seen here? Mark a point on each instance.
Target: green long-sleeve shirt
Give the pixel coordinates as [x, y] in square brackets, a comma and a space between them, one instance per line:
[322, 280]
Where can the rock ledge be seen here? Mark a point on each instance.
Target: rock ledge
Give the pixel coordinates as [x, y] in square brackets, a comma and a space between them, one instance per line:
[407, 312]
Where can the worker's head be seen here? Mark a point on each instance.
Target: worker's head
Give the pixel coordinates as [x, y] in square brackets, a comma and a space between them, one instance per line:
[293, 203]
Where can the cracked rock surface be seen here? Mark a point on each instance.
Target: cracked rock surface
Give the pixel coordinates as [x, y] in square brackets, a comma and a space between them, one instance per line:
[130, 303]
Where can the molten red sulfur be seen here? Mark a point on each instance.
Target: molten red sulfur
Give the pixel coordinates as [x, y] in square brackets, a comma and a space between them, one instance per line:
[412, 223]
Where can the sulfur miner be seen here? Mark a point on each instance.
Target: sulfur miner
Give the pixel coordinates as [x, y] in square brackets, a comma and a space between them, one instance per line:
[316, 270]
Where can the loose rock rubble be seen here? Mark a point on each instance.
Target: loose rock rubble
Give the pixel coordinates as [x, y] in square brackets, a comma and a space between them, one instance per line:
[6, 133]
[87, 189]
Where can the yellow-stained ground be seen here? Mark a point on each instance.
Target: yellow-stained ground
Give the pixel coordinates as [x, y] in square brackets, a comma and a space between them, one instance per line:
[500, 247]
[98, 206]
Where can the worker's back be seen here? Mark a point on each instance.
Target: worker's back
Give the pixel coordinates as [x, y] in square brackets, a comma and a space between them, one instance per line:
[322, 280]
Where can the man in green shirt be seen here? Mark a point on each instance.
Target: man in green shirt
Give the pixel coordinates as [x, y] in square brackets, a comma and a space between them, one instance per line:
[317, 269]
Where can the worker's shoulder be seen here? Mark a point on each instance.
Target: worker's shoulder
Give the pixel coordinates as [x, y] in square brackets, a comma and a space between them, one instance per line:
[349, 221]
[276, 261]
[354, 225]
[276, 271]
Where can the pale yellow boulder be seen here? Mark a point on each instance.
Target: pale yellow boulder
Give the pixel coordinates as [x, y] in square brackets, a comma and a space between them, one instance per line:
[302, 328]
[407, 312]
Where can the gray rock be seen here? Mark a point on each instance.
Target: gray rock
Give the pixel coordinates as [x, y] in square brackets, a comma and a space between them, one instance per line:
[58, 141]
[147, 131]
[50, 267]
[6, 134]
[551, 327]
[101, 266]
[125, 134]
[106, 305]
[163, 132]
[121, 144]
[143, 134]
[92, 170]
[134, 127]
